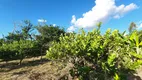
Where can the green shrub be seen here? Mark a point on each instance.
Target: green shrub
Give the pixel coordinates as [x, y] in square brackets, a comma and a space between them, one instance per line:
[96, 56]
[18, 50]
[7, 52]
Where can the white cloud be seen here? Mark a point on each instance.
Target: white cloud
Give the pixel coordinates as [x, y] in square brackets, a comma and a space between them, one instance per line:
[54, 25]
[71, 29]
[42, 20]
[139, 25]
[103, 11]
[73, 19]
[116, 17]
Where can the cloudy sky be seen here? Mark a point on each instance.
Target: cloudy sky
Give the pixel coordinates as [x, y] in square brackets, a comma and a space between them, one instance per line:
[71, 14]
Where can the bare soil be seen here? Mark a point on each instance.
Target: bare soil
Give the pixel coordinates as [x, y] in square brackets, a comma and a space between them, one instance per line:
[35, 69]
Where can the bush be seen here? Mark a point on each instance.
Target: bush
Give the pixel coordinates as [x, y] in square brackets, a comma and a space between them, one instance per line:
[96, 56]
[7, 52]
[18, 50]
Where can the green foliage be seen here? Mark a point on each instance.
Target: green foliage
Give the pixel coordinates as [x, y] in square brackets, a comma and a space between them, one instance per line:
[47, 33]
[140, 36]
[111, 55]
[26, 29]
[17, 50]
[1, 42]
[21, 44]
[14, 36]
[7, 52]
[23, 34]
[95, 56]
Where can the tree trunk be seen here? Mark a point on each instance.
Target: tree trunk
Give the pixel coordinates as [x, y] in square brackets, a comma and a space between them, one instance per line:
[20, 61]
[41, 53]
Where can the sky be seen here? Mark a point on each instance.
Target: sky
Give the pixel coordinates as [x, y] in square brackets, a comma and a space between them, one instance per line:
[71, 14]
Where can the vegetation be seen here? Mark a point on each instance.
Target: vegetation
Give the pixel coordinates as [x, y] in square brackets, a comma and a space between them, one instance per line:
[48, 33]
[102, 57]
[86, 55]
[22, 43]
[132, 27]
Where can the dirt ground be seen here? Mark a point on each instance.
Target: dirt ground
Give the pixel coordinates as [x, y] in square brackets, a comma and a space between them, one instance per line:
[32, 70]
[35, 69]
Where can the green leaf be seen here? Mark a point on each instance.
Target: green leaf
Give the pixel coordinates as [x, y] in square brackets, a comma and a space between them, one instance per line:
[116, 77]
[140, 43]
[111, 59]
[136, 55]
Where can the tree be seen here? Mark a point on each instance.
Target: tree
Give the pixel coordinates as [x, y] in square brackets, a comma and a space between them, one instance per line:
[17, 36]
[27, 28]
[8, 52]
[48, 33]
[1, 42]
[22, 47]
[132, 27]
[23, 34]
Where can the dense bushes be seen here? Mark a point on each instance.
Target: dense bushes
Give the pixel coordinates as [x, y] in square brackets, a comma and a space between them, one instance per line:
[17, 50]
[96, 56]
[22, 43]
[47, 34]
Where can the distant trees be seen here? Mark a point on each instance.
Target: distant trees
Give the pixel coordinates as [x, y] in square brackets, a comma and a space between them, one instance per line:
[1, 42]
[48, 33]
[22, 43]
[16, 50]
[26, 29]
[23, 34]
[14, 36]
[132, 27]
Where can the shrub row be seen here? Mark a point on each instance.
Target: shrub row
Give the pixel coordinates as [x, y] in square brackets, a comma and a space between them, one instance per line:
[96, 56]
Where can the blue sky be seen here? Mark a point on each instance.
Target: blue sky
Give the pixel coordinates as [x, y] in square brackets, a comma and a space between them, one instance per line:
[69, 13]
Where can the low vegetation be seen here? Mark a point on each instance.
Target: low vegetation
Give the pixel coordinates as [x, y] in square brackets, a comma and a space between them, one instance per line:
[69, 56]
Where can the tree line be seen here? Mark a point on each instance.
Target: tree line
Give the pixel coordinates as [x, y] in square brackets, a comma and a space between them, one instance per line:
[23, 43]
